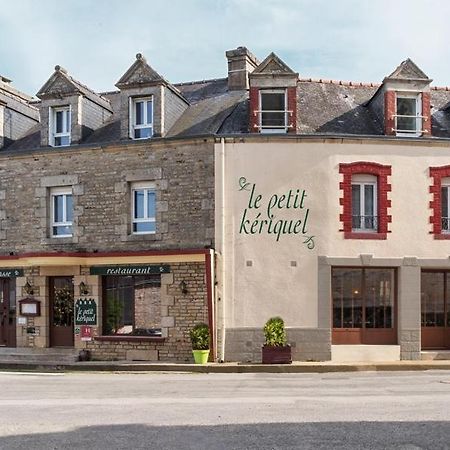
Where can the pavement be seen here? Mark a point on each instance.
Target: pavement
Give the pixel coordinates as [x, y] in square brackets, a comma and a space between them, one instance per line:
[295, 367]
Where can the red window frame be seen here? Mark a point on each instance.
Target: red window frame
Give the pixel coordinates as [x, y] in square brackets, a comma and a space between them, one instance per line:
[383, 187]
[437, 173]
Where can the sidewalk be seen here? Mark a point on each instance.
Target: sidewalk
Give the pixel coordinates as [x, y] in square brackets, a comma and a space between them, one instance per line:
[296, 367]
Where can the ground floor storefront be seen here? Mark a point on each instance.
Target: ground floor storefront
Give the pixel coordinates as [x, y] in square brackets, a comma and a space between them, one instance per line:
[136, 306]
[395, 307]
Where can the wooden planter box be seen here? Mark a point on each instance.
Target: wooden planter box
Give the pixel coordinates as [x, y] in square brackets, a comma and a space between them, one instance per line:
[276, 355]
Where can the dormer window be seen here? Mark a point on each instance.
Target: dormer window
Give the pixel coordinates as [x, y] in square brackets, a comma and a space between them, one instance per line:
[141, 118]
[59, 126]
[273, 113]
[408, 115]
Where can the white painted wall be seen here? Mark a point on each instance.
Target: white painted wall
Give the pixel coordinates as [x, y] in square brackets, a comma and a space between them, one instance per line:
[272, 286]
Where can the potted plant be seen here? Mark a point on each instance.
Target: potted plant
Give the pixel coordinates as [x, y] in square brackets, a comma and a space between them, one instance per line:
[275, 350]
[200, 343]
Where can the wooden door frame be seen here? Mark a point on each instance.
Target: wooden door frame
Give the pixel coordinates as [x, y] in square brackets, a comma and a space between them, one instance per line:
[435, 334]
[8, 331]
[51, 293]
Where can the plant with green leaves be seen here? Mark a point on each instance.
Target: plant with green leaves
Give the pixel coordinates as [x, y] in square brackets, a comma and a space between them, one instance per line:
[200, 337]
[275, 333]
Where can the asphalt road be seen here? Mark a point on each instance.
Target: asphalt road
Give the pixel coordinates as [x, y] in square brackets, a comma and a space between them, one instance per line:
[369, 410]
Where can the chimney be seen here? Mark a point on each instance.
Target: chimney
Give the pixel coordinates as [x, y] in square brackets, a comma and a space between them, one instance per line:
[241, 62]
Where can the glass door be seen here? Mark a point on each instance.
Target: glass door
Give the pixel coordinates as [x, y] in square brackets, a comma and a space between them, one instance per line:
[61, 312]
[435, 309]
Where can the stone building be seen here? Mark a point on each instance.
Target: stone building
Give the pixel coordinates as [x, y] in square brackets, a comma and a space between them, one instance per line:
[128, 216]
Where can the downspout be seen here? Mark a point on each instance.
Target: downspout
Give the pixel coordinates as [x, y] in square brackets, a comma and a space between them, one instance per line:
[223, 250]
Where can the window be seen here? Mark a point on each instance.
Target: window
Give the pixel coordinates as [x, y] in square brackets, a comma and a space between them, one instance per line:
[143, 197]
[445, 205]
[364, 203]
[60, 126]
[408, 115]
[141, 118]
[133, 305]
[440, 203]
[61, 212]
[364, 200]
[273, 113]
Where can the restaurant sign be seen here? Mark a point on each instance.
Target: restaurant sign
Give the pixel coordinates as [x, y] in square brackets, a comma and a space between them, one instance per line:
[85, 311]
[11, 273]
[130, 270]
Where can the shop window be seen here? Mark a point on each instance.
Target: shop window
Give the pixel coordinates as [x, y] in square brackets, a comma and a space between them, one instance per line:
[132, 305]
[364, 203]
[141, 118]
[143, 197]
[363, 305]
[273, 112]
[59, 124]
[408, 115]
[364, 200]
[61, 205]
[440, 203]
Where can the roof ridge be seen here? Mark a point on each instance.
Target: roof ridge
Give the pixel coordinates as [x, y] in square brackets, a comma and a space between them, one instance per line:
[187, 83]
[340, 82]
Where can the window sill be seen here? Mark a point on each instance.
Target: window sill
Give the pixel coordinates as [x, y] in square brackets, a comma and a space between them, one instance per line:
[117, 338]
[359, 235]
[442, 236]
[143, 237]
[59, 240]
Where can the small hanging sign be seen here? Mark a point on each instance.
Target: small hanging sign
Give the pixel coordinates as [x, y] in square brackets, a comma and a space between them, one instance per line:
[85, 311]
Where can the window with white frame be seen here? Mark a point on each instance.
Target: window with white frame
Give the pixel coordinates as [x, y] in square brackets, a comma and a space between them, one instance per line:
[59, 126]
[445, 205]
[273, 114]
[143, 215]
[61, 202]
[408, 115]
[364, 203]
[141, 118]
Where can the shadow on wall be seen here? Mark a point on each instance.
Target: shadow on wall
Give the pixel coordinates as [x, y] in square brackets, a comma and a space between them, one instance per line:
[326, 435]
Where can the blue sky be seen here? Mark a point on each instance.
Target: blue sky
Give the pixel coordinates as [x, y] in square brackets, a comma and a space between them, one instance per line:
[184, 40]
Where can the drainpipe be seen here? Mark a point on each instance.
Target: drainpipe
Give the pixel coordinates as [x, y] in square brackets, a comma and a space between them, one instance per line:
[222, 268]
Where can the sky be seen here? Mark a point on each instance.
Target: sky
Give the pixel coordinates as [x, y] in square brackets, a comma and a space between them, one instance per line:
[186, 40]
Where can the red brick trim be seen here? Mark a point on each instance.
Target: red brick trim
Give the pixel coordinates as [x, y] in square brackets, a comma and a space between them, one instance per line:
[390, 109]
[253, 106]
[292, 106]
[426, 112]
[381, 172]
[437, 173]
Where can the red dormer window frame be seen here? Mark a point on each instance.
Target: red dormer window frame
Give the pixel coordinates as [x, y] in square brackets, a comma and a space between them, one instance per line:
[348, 170]
[255, 109]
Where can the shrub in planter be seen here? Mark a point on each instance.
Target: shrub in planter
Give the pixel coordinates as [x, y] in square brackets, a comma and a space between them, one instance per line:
[200, 343]
[275, 349]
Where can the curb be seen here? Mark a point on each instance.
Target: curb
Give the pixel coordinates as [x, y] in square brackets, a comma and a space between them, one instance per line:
[226, 368]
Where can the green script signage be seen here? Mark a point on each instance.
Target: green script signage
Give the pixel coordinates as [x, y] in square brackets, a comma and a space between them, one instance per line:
[129, 270]
[85, 312]
[264, 215]
[11, 273]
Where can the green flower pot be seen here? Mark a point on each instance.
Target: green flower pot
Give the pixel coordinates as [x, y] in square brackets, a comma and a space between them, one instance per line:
[201, 356]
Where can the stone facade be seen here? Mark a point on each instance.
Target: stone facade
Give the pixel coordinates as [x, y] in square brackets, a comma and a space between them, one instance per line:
[100, 179]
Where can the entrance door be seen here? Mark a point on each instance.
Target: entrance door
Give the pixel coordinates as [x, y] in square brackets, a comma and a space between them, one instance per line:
[61, 311]
[435, 309]
[363, 306]
[7, 312]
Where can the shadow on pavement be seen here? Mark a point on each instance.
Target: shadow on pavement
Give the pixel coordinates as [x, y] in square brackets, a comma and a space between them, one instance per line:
[327, 435]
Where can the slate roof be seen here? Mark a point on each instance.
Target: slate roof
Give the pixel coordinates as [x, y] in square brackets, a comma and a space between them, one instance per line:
[325, 107]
